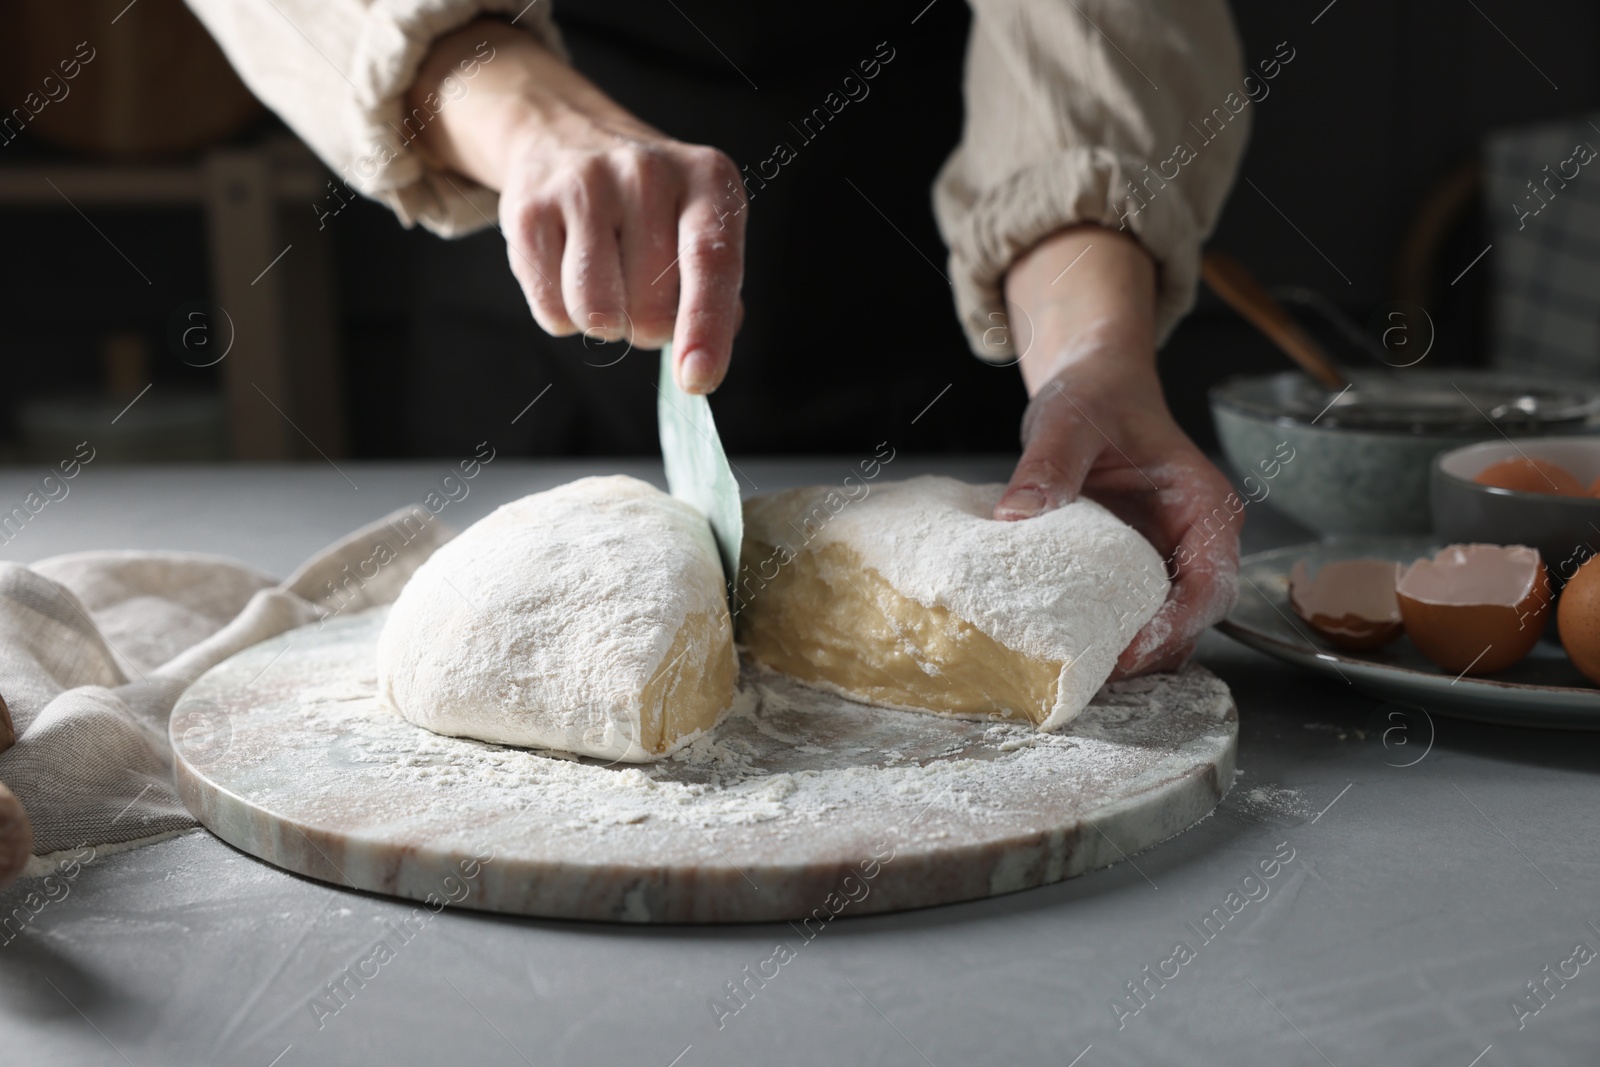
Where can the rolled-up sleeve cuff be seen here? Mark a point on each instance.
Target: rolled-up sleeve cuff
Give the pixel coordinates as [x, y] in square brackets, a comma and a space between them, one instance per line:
[988, 229]
[394, 40]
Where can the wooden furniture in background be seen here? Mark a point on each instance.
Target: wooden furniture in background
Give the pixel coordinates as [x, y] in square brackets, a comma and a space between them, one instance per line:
[157, 85]
[152, 111]
[281, 375]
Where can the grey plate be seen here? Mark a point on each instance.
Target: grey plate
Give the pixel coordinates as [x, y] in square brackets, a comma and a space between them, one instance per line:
[1543, 690]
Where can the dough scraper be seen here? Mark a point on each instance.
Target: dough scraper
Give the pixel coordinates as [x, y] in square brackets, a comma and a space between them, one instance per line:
[698, 472]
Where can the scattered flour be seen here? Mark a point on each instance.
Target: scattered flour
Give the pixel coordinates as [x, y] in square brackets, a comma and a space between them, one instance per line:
[792, 775]
[39, 866]
[785, 754]
[1271, 801]
[1340, 733]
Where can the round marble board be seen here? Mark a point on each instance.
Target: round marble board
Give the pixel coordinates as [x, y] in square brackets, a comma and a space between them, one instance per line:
[799, 804]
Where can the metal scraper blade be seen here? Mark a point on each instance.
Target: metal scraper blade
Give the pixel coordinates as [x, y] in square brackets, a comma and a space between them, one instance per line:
[697, 468]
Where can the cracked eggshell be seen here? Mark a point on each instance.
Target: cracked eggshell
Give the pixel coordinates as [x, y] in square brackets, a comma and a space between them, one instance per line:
[1578, 619]
[1349, 602]
[1475, 609]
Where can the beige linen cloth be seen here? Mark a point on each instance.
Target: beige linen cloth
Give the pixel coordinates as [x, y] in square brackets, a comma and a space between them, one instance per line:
[96, 648]
[1068, 102]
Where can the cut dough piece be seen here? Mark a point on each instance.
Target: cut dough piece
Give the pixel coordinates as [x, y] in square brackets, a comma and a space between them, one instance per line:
[908, 594]
[591, 619]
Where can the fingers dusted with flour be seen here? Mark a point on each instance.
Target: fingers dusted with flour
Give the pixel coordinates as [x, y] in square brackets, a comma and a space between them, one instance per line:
[1120, 448]
[613, 229]
[1060, 445]
[1193, 519]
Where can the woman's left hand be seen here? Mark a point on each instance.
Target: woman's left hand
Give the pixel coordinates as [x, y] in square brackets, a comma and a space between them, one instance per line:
[1098, 426]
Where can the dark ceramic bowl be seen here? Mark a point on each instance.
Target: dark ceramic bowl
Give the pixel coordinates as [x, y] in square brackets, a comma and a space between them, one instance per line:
[1360, 460]
[1565, 529]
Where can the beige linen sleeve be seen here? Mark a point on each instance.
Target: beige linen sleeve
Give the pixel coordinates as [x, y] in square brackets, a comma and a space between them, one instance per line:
[337, 72]
[1127, 113]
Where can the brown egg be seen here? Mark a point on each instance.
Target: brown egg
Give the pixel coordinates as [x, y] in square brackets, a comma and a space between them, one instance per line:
[1475, 609]
[1531, 475]
[1350, 602]
[1594, 487]
[1578, 619]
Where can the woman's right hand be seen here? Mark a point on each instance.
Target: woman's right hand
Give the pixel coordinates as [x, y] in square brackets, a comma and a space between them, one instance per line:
[613, 229]
[16, 837]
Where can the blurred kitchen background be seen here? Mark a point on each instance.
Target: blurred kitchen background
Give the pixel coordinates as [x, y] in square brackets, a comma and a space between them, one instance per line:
[169, 242]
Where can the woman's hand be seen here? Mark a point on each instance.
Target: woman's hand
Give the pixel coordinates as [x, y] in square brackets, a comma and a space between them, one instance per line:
[613, 228]
[16, 837]
[1097, 425]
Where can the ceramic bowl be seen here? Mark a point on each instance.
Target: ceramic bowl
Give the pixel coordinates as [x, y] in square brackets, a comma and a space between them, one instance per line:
[1345, 468]
[1565, 529]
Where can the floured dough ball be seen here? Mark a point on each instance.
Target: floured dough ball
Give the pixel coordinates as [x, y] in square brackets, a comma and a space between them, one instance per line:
[908, 594]
[591, 619]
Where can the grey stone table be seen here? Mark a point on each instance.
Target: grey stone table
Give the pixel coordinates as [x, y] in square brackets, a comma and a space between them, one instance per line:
[1379, 888]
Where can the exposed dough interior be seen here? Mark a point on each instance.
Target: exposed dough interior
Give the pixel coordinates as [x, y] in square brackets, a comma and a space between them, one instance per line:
[827, 619]
[682, 697]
